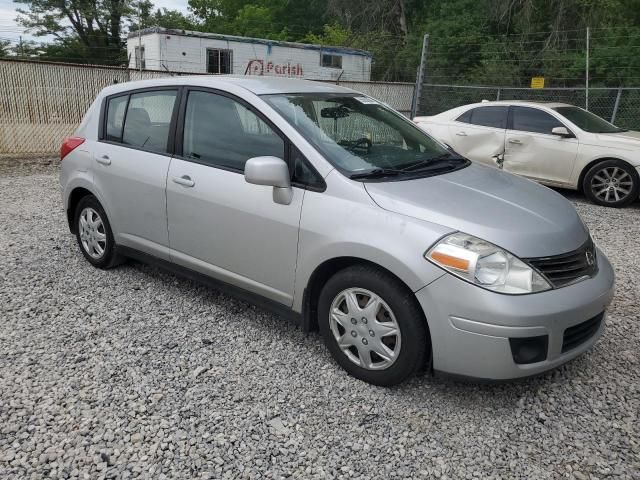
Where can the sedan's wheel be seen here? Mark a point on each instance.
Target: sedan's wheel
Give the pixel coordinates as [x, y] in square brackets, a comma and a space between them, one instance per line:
[373, 325]
[365, 328]
[93, 233]
[611, 183]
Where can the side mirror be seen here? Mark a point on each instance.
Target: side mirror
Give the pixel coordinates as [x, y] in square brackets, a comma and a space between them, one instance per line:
[561, 132]
[272, 172]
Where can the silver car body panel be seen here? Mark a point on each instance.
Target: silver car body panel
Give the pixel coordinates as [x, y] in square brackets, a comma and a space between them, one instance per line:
[133, 185]
[231, 230]
[514, 213]
[472, 326]
[343, 221]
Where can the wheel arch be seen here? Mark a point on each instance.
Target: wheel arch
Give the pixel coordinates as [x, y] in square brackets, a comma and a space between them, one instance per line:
[77, 194]
[321, 274]
[594, 162]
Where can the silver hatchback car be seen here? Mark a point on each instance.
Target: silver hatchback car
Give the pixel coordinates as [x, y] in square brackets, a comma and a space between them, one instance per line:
[329, 207]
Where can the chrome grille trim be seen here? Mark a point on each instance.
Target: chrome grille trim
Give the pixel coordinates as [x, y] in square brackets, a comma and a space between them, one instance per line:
[567, 268]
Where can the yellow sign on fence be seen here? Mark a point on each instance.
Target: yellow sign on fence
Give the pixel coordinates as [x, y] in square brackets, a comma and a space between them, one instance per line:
[537, 82]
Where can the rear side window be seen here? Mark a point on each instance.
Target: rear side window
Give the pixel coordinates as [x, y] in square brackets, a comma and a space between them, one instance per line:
[533, 120]
[222, 132]
[148, 120]
[465, 117]
[495, 117]
[115, 117]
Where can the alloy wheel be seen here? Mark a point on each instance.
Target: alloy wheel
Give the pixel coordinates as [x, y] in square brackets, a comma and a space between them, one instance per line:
[365, 328]
[93, 236]
[611, 184]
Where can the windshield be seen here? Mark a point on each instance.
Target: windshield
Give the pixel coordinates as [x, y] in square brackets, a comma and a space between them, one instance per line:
[587, 121]
[360, 136]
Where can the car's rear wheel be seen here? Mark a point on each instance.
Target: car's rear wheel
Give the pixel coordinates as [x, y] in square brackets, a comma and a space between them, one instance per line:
[373, 325]
[93, 233]
[611, 183]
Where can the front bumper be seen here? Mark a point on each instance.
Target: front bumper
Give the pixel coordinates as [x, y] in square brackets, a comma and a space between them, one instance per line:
[470, 327]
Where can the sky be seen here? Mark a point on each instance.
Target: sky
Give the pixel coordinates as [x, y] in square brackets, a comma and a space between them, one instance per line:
[10, 30]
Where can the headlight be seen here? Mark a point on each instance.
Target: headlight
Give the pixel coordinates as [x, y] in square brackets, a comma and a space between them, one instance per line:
[486, 265]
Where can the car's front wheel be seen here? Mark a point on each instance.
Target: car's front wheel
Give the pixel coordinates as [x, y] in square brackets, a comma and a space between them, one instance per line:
[373, 325]
[611, 183]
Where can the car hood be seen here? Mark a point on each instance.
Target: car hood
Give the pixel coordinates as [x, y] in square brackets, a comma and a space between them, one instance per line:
[629, 139]
[519, 215]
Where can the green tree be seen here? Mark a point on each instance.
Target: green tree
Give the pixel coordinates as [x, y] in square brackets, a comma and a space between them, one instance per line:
[142, 15]
[173, 19]
[273, 19]
[5, 48]
[96, 24]
[491, 42]
[256, 21]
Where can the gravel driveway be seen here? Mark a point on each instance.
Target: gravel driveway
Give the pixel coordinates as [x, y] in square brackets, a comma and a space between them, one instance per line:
[135, 372]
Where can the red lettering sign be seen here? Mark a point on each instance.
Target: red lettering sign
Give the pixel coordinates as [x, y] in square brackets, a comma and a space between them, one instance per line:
[257, 67]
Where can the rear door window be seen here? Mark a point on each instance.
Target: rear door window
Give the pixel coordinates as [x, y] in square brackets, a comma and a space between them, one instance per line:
[115, 118]
[528, 119]
[495, 117]
[148, 120]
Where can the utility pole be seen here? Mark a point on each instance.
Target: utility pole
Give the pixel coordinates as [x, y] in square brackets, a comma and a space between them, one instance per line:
[586, 98]
[417, 90]
[140, 36]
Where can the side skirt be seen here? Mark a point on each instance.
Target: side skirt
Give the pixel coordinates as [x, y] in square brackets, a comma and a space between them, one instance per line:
[237, 292]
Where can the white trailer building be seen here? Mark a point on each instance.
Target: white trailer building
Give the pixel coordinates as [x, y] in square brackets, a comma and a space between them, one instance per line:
[197, 52]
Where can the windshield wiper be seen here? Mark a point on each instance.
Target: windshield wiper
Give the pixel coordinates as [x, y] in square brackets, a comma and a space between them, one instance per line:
[375, 173]
[434, 162]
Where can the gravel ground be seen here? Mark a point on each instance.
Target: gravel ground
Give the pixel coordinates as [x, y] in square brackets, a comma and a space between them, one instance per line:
[134, 372]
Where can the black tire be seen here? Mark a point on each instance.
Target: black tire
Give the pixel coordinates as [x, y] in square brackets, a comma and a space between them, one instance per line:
[108, 258]
[415, 342]
[607, 199]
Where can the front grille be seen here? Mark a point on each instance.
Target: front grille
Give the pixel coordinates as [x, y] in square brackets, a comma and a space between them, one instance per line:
[564, 269]
[578, 334]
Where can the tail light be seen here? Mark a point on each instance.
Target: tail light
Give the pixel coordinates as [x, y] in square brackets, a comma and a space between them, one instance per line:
[69, 145]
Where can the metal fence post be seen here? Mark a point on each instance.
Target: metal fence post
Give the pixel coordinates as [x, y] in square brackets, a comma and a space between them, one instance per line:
[417, 91]
[498, 95]
[586, 90]
[616, 105]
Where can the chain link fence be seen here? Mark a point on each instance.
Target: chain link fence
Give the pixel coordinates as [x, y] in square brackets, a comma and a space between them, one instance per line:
[41, 102]
[618, 105]
[397, 95]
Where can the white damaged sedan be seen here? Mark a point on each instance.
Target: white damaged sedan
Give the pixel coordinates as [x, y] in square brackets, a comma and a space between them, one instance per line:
[555, 144]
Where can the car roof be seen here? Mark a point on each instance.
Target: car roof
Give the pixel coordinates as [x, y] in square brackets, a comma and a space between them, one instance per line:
[260, 85]
[524, 103]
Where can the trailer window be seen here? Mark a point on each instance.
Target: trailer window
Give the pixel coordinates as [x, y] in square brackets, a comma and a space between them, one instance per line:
[331, 61]
[219, 61]
[139, 57]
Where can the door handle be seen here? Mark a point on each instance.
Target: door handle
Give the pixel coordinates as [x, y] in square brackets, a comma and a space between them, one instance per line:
[184, 180]
[515, 141]
[104, 160]
[462, 134]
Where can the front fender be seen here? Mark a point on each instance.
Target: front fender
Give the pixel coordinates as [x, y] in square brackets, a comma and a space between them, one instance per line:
[334, 227]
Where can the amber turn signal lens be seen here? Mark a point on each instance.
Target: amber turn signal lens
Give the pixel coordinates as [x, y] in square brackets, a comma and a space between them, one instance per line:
[451, 262]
